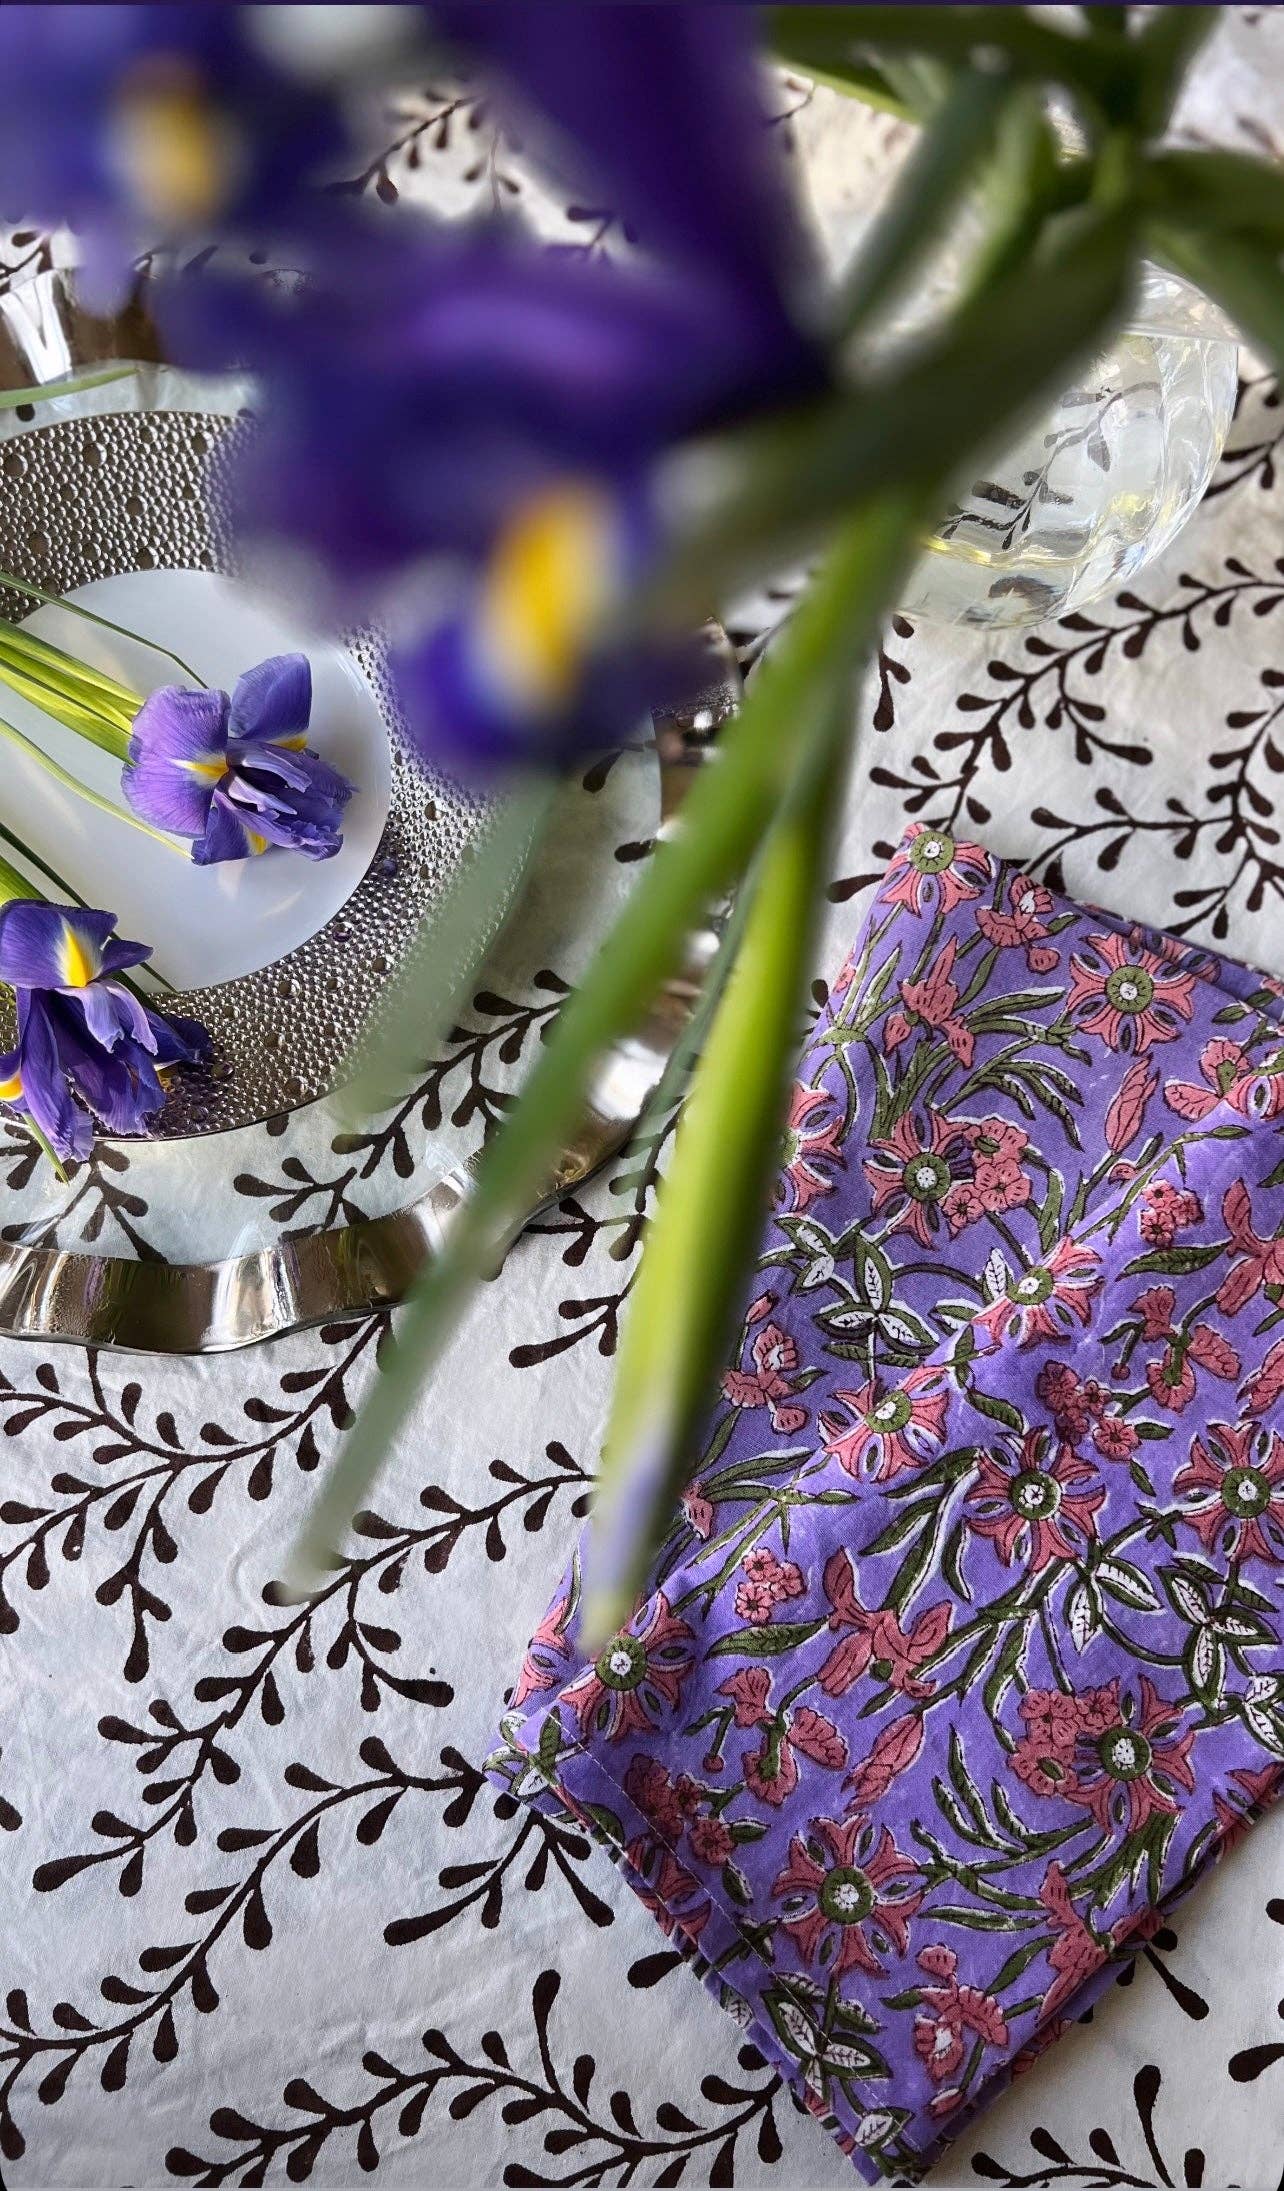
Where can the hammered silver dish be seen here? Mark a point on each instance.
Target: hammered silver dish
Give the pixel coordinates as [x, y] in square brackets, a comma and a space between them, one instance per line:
[135, 484]
[96, 496]
[53, 1293]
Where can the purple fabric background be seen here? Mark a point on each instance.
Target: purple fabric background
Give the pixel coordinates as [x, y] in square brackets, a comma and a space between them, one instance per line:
[965, 1657]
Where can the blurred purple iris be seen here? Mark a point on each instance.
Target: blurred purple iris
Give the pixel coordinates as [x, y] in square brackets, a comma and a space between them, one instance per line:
[463, 396]
[236, 774]
[141, 124]
[87, 1046]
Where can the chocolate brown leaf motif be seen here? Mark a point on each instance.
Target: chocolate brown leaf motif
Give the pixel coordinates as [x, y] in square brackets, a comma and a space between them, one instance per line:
[457, 2082]
[138, 1478]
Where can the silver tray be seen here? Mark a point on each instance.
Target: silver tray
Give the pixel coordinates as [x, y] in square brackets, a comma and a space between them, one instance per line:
[129, 477]
[173, 1307]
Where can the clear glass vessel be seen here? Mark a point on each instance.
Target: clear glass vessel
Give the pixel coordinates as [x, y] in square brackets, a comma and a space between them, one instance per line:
[1099, 483]
[1107, 474]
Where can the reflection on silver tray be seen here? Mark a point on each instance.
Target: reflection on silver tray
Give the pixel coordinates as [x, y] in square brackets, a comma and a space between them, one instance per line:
[92, 497]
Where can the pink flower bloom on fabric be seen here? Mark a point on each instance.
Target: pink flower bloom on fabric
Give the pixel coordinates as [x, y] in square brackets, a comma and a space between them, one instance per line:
[935, 869]
[1046, 1301]
[1033, 1506]
[754, 1602]
[934, 1003]
[1025, 926]
[1172, 1379]
[1233, 1488]
[1261, 1260]
[1128, 1108]
[781, 1578]
[771, 1771]
[900, 1429]
[909, 1173]
[845, 1899]
[1120, 1758]
[1073, 1405]
[1166, 1211]
[1115, 1439]
[655, 1795]
[546, 1653]
[1074, 1954]
[876, 1640]
[1044, 1757]
[952, 2015]
[1130, 997]
[699, 1512]
[1132, 1771]
[813, 1150]
[1230, 1075]
[775, 1358]
[636, 1676]
[998, 1181]
[817, 1738]
[711, 1841]
[1156, 1308]
[748, 1691]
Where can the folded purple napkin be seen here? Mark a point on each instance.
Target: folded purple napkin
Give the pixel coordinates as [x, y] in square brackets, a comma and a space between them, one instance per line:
[966, 1654]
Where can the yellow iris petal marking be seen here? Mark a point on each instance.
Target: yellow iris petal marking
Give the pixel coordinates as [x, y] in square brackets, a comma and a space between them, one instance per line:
[79, 964]
[170, 143]
[11, 1089]
[211, 769]
[293, 744]
[553, 574]
[257, 843]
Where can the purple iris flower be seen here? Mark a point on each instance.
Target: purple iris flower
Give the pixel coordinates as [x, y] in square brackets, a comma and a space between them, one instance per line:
[461, 395]
[139, 124]
[87, 1046]
[236, 774]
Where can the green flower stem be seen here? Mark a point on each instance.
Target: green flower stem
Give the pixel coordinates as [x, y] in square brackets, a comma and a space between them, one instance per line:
[1165, 46]
[838, 43]
[11, 399]
[13, 885]
[60, 702]
[64, 776]
[1023, 184]
[50, 874]
[56, 666]
[104, 623]
[874, 87]
[711, 1204]
[727, 813]
[926, 196]
[1215, 192]
[970, 383]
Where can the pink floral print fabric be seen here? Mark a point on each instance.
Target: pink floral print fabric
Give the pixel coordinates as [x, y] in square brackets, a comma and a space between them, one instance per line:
[965, 1655]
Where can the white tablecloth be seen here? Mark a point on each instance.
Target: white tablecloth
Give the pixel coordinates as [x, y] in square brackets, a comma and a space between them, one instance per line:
[260, 1917]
